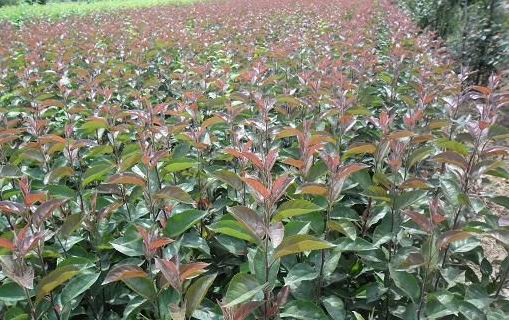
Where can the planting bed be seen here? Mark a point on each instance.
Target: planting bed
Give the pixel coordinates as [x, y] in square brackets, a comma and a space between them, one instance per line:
[247, 160]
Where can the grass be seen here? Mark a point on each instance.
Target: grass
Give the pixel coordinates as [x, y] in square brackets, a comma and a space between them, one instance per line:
[24, 12]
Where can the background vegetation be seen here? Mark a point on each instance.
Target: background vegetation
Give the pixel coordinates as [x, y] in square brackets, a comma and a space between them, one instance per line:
[477, 31]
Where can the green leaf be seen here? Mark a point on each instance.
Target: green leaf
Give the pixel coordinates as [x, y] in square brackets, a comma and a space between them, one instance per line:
[230, 178]
[300, 272]
[234, 229]
[179, 165]
[77, 286]
[197, 291]
[9, 171]
[359, 244]
[300, 243]
[71, 223]
[295, 208]
[178, 223]
[132, 306]
[11, 292]
[406, 199]
[129, 245]
[243, 287]
[335, 307]
[54, 279]
[175, 193]
[96, 173]
[420, 154]
[303, 310]
[344, 227]
[451, 145]
[142, 286]
[501, 200]
[407, 282]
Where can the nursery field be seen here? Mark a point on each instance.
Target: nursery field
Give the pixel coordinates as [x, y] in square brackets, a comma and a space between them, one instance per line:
[236, 159]
[59, 10]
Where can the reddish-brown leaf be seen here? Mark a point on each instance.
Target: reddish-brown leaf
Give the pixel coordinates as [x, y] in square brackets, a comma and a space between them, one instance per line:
[315, 189]
[7, 244]
[451, 236]
[10, 207]
[124, 272]
[260, 190]
[46, 209]
[421, 220]
[126, 178]
[191, 270]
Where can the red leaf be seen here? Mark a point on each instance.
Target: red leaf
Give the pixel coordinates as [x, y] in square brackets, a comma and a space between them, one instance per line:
[123, 272]
[421, 220]
[257, 162]
[7, 244]
[126, 178]
[279, 187]
[46, 209]
[156, 244]
[191, 270]
[10, 207]
[170, 272]
[261, 192]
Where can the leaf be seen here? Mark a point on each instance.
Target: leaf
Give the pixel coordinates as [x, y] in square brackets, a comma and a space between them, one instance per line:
[11, 207]
[345, 227]
[56, 174]
[407, 282]
[234, 229]
[452, 145]
[359, 244]
[230, 178]
[54, 279]
[315, 189]
[453, 158]
[451, 236]
[501, 200]
[365, 148]
[72, 223]
[421, 220]
[96, 173]
[179, 165]
[178, 223]
[9, 171]
[77, 286]
[294, 208]
[123, 272]
[126, 178]
[211, 121]
[419, 155]
[46, 209]
[250, 220]
[175, 193]
[242, 288]
[11, 292]
[303, 310]
[6, 244]
[142, 286]
[196, 292]
[257, 187]
[335, 307]
[300, 243]
[406, 199]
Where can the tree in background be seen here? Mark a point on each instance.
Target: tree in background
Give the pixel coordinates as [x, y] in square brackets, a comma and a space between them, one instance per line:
[475, 30]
